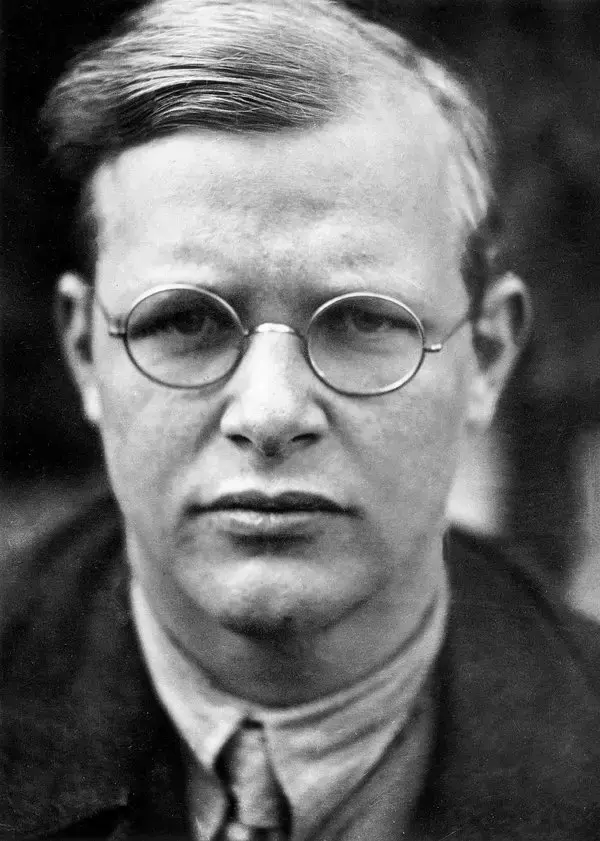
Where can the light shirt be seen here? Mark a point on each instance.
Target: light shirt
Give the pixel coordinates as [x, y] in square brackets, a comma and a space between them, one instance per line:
[321, 751]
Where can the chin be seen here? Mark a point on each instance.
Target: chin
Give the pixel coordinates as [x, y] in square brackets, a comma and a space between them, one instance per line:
[263, 602]
[267, 613]
[262, 627]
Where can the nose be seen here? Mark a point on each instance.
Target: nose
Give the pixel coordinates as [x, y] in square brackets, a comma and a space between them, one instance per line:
[272, 398]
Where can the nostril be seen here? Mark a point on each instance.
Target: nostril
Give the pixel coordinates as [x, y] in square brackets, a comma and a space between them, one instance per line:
[273, 446]
[305, 438]
[240, 441]
[277, 447]
[268, 447]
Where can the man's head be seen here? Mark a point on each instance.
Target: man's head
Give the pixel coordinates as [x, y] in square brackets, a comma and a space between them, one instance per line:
[255, 67]
[279, 154]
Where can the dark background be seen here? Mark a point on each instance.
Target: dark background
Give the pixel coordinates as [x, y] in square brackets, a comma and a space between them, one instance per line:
[538, 67]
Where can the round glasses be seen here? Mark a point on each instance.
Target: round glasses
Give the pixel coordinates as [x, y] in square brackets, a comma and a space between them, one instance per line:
[360, 343]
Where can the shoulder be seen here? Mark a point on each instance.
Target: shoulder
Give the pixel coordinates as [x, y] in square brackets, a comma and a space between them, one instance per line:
[90, 527]
[518, 694]
[51, 585]
[78, 709]
[493, 579]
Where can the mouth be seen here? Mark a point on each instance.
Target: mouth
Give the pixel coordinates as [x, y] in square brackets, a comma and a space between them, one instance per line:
[255, 515]
[282, 503]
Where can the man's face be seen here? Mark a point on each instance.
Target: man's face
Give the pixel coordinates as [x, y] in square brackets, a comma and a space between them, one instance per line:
[277, 224]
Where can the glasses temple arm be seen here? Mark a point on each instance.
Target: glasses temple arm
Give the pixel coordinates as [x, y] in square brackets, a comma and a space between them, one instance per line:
[115, 326]
[436, 347]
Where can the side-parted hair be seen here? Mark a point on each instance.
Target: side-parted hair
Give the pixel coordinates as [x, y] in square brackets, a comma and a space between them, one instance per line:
[259, 66]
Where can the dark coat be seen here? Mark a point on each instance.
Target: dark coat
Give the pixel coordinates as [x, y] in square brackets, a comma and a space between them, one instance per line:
[87, 752]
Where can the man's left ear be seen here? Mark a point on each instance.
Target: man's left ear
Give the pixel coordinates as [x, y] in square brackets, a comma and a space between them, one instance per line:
[500, 332]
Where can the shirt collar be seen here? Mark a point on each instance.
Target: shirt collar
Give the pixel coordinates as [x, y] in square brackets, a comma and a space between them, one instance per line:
[320, 750]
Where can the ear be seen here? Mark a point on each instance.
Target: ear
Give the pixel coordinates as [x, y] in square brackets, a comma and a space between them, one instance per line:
[500, 332]
[74, 311]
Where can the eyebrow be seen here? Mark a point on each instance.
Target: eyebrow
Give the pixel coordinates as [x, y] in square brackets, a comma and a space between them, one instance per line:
[192, 253]
[200, 265]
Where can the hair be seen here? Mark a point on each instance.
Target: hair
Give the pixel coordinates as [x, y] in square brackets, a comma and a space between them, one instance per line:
[258, 66]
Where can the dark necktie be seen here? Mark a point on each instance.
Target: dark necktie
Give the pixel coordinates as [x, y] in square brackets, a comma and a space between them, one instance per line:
[258, 810]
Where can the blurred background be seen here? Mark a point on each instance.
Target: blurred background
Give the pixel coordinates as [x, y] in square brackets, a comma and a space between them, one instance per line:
[535, 479]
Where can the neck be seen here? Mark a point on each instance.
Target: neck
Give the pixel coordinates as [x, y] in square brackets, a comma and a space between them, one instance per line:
[285, 674]
[286, 670]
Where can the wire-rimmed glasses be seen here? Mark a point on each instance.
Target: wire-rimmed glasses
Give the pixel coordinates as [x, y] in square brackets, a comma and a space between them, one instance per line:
[360, 343]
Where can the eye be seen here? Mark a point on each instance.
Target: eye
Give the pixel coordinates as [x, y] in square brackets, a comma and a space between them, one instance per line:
[364, 327]
[178, 318]
[373, 318]
[366, 321]
[190, 322]
[186, 322]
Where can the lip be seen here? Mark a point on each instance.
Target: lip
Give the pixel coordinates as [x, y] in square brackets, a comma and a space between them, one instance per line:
[261, 516]
[286, 502]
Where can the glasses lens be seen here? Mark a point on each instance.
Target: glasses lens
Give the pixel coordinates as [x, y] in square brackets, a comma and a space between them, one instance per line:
[364, 344]
[183, 337]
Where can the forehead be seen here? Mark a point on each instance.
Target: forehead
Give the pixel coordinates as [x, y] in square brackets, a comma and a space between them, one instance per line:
[364, 193]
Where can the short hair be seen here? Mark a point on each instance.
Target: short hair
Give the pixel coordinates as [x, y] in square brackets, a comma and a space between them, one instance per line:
[256, 66]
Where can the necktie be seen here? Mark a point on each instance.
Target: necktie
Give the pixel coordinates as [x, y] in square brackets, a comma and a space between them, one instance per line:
[258, 809]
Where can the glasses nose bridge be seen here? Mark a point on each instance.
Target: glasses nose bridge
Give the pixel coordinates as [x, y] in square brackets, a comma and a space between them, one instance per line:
[285, 365]
[277, 328]
[273, 327]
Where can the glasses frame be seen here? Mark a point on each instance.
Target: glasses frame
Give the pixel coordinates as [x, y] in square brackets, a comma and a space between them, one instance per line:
[119, 328]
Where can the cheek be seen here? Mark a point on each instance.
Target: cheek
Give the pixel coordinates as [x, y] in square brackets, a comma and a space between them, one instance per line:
[148, 432]
[412, 440]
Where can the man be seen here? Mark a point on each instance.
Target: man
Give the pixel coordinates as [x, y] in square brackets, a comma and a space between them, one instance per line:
[276, 331]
